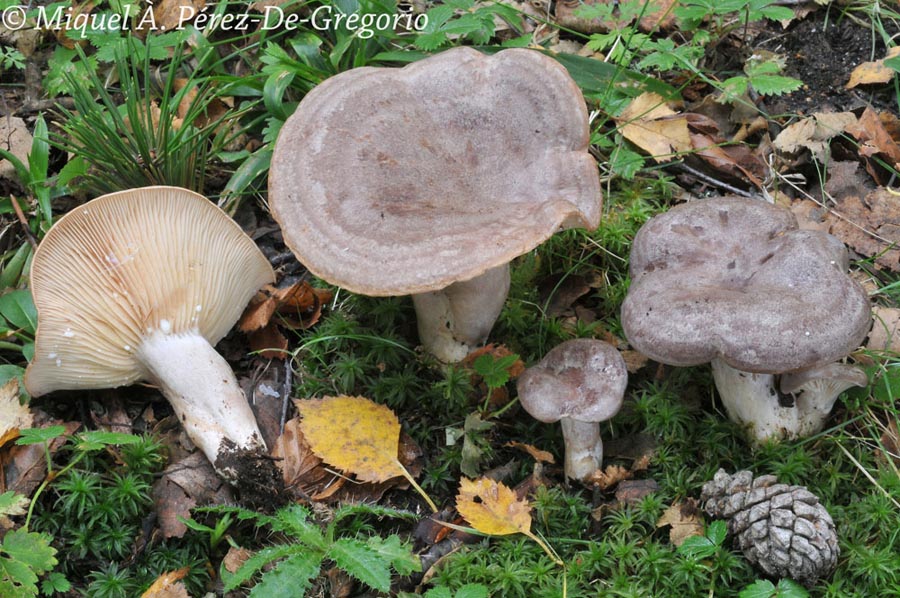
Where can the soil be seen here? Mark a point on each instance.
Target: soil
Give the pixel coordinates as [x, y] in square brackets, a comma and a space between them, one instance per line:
[822, 51]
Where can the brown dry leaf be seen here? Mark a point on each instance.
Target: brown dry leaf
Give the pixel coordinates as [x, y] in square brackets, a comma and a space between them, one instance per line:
[15, 138]
[168, 585]
[566, 17]
[814, 133]
[631, 492]
[299, 302]
[492, 508]
[301, 468]
[609, 477]
[353, 434]
[536, 453]
[884, 335]
[23, 468]
[870, 225]
[184, 485]
[684, 520]
[873, 72]
[660, 14]
[634, 360]
[13, 415]
[169, 14]
[269, 342]
[874, 139]
[651, 125]
[735, 160]
[235, 557]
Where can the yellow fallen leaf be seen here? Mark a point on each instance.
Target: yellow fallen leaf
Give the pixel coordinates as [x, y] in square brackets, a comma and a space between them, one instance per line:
[494, 509]
[168, 585]
[356, 435]
[13, 416]
[651, 125]
[873, 72]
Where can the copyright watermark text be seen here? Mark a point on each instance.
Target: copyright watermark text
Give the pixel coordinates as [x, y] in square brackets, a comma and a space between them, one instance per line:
[324, 18]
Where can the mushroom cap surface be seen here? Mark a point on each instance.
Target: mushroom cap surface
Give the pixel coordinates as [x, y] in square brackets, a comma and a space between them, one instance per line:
[123, 265]
[735, 279]
[401, 181]
[582, 379]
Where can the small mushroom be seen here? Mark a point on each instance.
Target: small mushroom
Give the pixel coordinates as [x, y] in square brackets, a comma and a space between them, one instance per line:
[734, 282]
[428, 180]
[579, 383]
[139, 285]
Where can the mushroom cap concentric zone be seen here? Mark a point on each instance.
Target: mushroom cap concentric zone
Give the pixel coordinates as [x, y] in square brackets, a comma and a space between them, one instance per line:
[735, 279]
[402, 181]
[125, 265]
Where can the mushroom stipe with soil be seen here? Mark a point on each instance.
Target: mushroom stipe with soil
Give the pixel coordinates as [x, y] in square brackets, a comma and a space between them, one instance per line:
[140, 285]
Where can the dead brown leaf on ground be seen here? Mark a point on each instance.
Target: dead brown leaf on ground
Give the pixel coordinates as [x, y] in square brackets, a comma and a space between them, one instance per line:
[649, 123]
[169, 14]
[536, 453]
[684, 521]
[168, 585]
[25, 467]
[609, 476]
[184, 485]
[814, 133]
[875, 140]
[734, 160]
[874, 72]
[884, 335]
[235, 557]
[295, 307]
[870, 225]
[13, 415]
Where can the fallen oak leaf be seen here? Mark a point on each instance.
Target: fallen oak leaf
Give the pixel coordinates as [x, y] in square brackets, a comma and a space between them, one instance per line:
[168, 585]
[683, 520]
[13, 415]
[492, 508]
[874, 139]
[356, 435]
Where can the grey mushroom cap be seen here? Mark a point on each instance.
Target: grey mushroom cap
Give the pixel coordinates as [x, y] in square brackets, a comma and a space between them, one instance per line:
[402, 181]
[581, 379]
[735, 279]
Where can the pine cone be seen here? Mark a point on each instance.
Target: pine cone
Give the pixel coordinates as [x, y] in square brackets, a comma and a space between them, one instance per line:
[781, 529]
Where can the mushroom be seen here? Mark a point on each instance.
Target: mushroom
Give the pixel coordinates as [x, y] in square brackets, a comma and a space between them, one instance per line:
[428, 180]
[734, 282]
[579, 383]
[139, 285]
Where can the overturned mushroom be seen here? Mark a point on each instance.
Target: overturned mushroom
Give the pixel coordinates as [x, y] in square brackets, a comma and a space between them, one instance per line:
[428, 180]
[732, 281]
[139, 285]
[579, 383]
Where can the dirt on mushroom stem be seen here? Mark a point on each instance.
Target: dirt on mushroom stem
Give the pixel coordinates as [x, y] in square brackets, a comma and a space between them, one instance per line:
[253, 474]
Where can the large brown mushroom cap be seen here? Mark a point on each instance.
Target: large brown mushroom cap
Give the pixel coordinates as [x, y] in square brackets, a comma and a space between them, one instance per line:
[127, 264]
[581, 379]
[734, 278]
[402, 181]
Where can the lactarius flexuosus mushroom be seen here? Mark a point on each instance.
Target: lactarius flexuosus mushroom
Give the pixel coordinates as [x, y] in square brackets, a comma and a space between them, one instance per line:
[579, 383]
[734, 282]
[428, 180]
[139, 285]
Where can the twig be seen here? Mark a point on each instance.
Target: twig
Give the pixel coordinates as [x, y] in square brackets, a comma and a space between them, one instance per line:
[714, 182]
[23, 221]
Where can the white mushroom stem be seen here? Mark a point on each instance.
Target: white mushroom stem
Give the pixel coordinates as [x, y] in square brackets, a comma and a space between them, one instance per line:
[203, 391]
[458, 318]
[753, 401]
[584, 448]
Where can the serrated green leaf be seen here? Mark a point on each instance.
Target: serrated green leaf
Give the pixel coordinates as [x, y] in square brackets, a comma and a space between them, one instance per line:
[361, 562]
[259, 560]
[13, 504]
[55, 583]
[19, 576]
[472, 590]
[716, 532]
[289, 579]
[768, 85]
[397, 552]
[39, 435]
[438, 593]
[788, 588]
[431, 41]
[18, 308]
[96, 440]
[759, 589]
[30, 548]
[293, 520]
